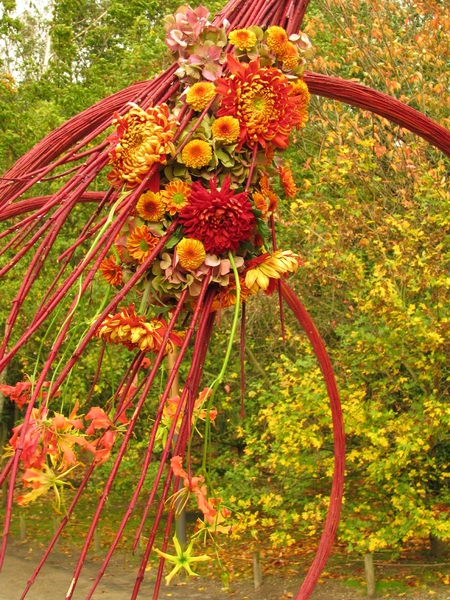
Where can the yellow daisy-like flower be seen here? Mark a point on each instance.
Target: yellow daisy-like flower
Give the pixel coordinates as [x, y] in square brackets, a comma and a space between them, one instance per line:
[226, 128]
[289, 55]
[196, 154]
[200, 94]
[270, 267]
[176, 195]
[276, 38]
[151, 207]
[142, 139]
[191, 253]
[141, 243]
[244, 39]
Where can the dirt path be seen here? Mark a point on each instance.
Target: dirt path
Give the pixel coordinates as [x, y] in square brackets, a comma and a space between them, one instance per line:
[118, 582]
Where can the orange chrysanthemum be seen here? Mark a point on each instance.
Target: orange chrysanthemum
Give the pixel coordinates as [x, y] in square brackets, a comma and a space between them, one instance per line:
[276, 38]
[141, 243]
[200, 94]
[260, 98]
[244, 39]
[196, 154]
[191, 253]
[226, 128]
[268, 192]
[142, 138]
[151, 207]
[111, 271]
[176, 195]
[289, 55]
[287, 180]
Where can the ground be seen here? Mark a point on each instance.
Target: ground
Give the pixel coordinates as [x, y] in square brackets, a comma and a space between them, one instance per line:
[118, 582]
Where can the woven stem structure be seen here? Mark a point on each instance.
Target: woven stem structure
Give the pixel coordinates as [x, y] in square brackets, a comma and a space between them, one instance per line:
[35, 235]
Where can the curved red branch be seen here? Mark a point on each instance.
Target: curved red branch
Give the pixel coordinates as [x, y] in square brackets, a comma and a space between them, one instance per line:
[367, 98]
[337, 489]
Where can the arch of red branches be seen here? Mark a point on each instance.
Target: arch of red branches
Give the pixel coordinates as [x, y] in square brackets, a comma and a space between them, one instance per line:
[66, 143]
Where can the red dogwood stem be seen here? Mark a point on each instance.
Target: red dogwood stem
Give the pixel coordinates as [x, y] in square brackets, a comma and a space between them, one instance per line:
[337, 489]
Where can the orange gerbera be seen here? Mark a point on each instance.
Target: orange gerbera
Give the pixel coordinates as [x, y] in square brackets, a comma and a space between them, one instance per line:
[289, 55]
[244, 39]
[200, 95]
[142, 138]
[260, 98]
[276, 38]
[151, 207]
[176, 195]
[141, 243]
[287, 180]
[226, 128]
[191, 253]
[111, 271]
[196, 154]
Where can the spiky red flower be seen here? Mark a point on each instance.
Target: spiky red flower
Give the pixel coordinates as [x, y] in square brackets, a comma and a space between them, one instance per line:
[260, 98]
[221, 219]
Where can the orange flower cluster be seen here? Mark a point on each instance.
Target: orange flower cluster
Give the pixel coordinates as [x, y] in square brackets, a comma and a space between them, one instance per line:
[261, 100]
[130, 330]
[142, 139]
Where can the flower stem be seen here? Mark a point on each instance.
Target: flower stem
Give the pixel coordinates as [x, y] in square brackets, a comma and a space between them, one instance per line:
[215, 384]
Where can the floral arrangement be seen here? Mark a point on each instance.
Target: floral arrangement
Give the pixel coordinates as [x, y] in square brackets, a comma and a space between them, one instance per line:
[195, 178]
[214, 154]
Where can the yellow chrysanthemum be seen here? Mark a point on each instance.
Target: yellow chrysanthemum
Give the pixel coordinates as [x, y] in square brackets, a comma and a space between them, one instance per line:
[244, 39]
[289, 55]
[141, 243]
[151, 207]
[200, 94]
[196, 154]
[191, 253]
[226, 128]
[142, 139]
[176, 195]
[268, 268]
[276, 38]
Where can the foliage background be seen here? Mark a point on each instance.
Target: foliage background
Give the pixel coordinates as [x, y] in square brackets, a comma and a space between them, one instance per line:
[371, 222]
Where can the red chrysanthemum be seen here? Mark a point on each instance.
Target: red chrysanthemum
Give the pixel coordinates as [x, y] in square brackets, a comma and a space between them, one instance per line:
[261, 99]
[221, 219]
